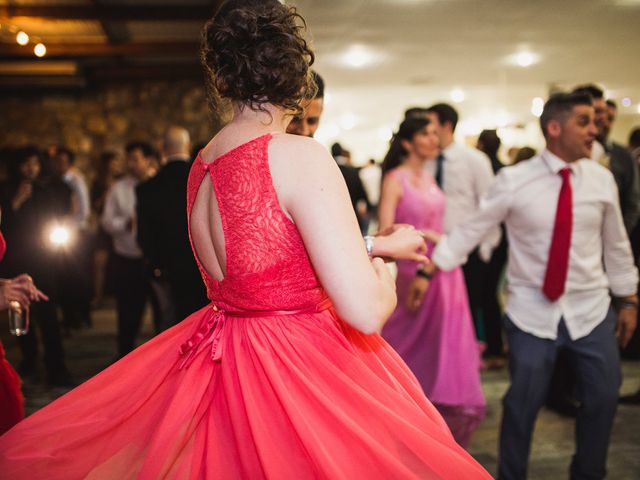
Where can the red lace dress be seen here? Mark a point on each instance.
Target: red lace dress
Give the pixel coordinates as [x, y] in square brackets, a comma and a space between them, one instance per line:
[266, 382]
[11, 401]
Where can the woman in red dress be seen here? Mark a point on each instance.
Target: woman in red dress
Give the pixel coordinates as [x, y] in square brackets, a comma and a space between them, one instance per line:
[21, 290]
[283, 375]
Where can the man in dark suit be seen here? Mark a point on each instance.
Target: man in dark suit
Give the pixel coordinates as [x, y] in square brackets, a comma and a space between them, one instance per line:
[616, 158]
[163, 234]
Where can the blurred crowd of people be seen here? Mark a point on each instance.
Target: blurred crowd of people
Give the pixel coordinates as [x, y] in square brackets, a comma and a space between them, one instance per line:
[125, 235]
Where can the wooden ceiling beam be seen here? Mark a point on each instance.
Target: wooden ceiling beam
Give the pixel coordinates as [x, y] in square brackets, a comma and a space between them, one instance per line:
[75, 50]
[111, 12]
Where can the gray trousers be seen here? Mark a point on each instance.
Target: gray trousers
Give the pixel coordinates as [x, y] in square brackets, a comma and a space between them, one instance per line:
[596, 361]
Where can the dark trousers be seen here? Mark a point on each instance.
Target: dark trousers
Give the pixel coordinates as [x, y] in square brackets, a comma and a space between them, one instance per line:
[531, 359]
[491, 312]
[76, 282]
[163, 304]
[189, 293]
[132, 291]
[475, 278]
[43, 318]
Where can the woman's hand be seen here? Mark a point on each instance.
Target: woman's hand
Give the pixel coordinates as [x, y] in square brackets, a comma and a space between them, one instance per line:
[19, 289]
[400, 242]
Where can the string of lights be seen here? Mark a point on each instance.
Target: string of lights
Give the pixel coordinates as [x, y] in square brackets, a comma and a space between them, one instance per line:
[22, 38]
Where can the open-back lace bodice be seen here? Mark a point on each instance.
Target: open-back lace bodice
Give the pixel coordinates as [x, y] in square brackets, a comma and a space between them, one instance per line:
[267, 266]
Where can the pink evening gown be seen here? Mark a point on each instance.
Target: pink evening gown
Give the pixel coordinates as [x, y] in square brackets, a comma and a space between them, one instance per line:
[438, 340]
[265, 382]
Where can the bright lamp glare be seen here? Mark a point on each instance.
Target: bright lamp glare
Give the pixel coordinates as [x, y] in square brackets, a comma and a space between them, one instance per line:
[525, 59]
[22, 38]
[40, 50]
[537, 105]
[626, 102]
[359, 56]
[59, 236]
[457, 95]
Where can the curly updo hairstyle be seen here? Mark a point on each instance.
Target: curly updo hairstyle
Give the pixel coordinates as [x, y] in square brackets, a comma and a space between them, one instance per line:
[254, 53]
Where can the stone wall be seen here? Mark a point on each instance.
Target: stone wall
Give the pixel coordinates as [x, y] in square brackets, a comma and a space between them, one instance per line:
[90, 122]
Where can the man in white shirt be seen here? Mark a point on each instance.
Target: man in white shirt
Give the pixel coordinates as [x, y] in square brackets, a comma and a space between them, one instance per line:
[76, 285]
[464, 174]
[567, 249]
[119, 220]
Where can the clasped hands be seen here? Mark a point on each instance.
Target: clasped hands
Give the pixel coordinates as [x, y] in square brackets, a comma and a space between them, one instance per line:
[404, 242]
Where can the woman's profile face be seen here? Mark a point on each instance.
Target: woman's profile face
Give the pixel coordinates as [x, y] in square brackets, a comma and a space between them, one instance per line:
[425, 143]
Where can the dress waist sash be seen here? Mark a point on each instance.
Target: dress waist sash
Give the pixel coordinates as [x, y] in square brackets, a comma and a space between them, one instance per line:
[211, 328]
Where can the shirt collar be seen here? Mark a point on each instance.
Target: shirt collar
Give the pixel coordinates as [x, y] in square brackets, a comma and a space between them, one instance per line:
[452, 147]
[555, 163]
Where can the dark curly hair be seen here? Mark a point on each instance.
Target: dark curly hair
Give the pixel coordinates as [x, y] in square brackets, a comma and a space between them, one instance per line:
[254, 53]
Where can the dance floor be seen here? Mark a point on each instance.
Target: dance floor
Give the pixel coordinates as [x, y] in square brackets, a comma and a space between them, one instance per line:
[89, 351]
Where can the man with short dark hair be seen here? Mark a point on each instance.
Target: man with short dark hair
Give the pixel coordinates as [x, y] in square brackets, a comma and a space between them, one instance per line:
[132, 287]
[615, 157]
[76, 288]
[307, 124]
[464, 174]
[161, 212]
[568, 249]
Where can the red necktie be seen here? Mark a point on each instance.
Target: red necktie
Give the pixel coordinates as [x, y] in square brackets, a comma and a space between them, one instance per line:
[556, 276]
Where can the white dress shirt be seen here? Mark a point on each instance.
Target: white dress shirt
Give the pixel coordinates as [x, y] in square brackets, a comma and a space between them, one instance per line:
[371, 177]
[525, 197]
[119, 211]
[466, 178]
[80, 197]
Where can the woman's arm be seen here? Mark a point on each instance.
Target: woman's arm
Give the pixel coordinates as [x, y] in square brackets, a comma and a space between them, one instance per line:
[313, 193]
[389, 198]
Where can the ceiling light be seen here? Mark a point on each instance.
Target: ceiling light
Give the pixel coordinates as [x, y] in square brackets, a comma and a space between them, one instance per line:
[537, 105]
[359, 56]
[638, 109]
[40, 50]
[525, 59]
[22, 38]
[457, 95]
[626, 102]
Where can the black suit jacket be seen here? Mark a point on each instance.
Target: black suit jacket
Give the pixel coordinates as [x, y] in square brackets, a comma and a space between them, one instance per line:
[354, 185]
[625, 172]
[163, 233]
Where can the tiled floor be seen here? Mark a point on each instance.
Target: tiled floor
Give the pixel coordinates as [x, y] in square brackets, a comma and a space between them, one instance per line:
[90, 351]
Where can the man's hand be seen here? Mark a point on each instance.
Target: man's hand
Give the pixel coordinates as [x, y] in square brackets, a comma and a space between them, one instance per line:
[626, 325]
[417, 290]
[432, 236]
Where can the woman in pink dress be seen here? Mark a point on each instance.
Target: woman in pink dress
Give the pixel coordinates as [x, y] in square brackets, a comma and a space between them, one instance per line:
[434, 334]
[282, 376]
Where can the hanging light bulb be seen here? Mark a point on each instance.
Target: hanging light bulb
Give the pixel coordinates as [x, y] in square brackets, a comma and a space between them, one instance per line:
[40, 50]
[22, 38]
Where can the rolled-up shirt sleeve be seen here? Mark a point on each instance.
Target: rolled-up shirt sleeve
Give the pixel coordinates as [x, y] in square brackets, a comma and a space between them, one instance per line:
[618, 259]
[453, 249]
